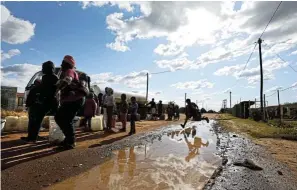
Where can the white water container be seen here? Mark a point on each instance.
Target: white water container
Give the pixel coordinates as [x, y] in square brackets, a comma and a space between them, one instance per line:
[55, 133]
[11, 123]
[3, 121]
[97, 123]
[22, 124]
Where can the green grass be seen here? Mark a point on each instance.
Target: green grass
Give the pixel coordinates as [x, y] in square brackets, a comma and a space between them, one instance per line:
[256, 129]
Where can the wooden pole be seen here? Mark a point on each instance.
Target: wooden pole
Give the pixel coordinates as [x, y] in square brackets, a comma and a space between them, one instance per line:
[264, 116]
[261, 75]
[230, 99]
[279, 107]
[147, 84]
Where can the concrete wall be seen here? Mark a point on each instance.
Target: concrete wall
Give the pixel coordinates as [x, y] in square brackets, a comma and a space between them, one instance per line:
[8, 97]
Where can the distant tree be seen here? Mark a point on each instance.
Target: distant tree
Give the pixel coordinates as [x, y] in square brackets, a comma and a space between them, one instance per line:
[203, 110]
[210, 111]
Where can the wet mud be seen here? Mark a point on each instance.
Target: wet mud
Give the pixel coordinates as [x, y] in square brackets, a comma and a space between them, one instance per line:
[172, 158]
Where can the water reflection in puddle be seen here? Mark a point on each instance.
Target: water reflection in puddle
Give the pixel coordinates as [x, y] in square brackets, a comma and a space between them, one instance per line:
[178, 159]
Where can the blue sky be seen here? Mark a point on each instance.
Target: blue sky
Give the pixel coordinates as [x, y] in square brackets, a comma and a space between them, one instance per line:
[206, 45]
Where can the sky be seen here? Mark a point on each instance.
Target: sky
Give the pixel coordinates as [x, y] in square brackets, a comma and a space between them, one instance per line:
[204, 45]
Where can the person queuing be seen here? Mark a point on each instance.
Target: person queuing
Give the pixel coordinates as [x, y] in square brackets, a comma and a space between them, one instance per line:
[72, 91]
[160, 109]
[110, 105]
[123, 111]
[134, 109]
[41, 100]
[153, 108]
[104, 109]
[100, 103]
[89, 112]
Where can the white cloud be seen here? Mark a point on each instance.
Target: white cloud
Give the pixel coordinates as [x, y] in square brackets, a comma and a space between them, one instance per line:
[253, 74]
[15, 30]
[193, 85]
[18, 75]
[131, 80]
[229, 70]
[121, 4]
[181, 62]
[294, 53]
[11, 53]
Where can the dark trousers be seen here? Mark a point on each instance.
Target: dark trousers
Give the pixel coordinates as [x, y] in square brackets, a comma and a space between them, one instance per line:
[65, 116]
[132, 123]
[109, 111]
[87, 122]
[36, 115]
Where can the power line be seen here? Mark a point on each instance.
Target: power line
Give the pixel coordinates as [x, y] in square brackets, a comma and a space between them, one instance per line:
[281, 58]
[161, 72]
[271, 18]
[287, 88]
[256, 43]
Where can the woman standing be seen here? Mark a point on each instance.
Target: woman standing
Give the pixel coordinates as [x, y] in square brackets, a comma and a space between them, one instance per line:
[109, 102]
[72, 97]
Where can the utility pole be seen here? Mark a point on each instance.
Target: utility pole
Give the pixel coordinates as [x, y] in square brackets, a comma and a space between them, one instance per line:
[147, 84]
[230, 99]
[264, 117]
[255, 102]
[279, 108]
[185, 99]
[261, 74]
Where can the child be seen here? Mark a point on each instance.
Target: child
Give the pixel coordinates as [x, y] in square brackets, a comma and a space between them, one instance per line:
[89, 111]
[133, 108]
[123, 111]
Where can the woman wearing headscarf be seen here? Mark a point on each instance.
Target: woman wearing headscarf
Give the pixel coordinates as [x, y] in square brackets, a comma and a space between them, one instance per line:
[72, 96]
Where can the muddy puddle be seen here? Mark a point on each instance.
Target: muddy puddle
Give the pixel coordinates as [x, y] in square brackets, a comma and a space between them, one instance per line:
[175, 159]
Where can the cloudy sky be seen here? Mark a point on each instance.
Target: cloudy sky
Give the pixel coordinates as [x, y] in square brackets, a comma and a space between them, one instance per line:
[204, 45]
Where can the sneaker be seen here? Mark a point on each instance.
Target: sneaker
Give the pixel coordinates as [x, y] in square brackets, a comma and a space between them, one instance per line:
[27, 140]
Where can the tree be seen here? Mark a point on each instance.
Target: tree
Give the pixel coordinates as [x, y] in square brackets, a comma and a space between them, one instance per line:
[203, 110]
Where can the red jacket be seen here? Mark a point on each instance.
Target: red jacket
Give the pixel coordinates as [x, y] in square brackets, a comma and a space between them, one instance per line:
[90, 108]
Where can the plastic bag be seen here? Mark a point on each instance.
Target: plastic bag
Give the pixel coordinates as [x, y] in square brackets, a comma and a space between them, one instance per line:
[55, 133]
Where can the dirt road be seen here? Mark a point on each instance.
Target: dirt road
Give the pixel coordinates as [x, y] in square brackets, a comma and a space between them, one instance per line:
[173, 155]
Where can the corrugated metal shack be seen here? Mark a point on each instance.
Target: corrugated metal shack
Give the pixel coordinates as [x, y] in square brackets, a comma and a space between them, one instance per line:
[242, 110]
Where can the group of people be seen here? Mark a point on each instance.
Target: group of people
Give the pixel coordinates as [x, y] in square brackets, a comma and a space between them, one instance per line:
[157, 110]
[65, 96]
[105, 104]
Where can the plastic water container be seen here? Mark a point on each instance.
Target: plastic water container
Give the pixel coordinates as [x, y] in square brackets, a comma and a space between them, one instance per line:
[55, 133]
[76, 122]
[22, 124]
[97, 123]
[3, 121]
[45, 122]
[11, 123]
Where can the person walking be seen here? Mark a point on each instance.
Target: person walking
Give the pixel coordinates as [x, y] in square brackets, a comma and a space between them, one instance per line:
[72, 91]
